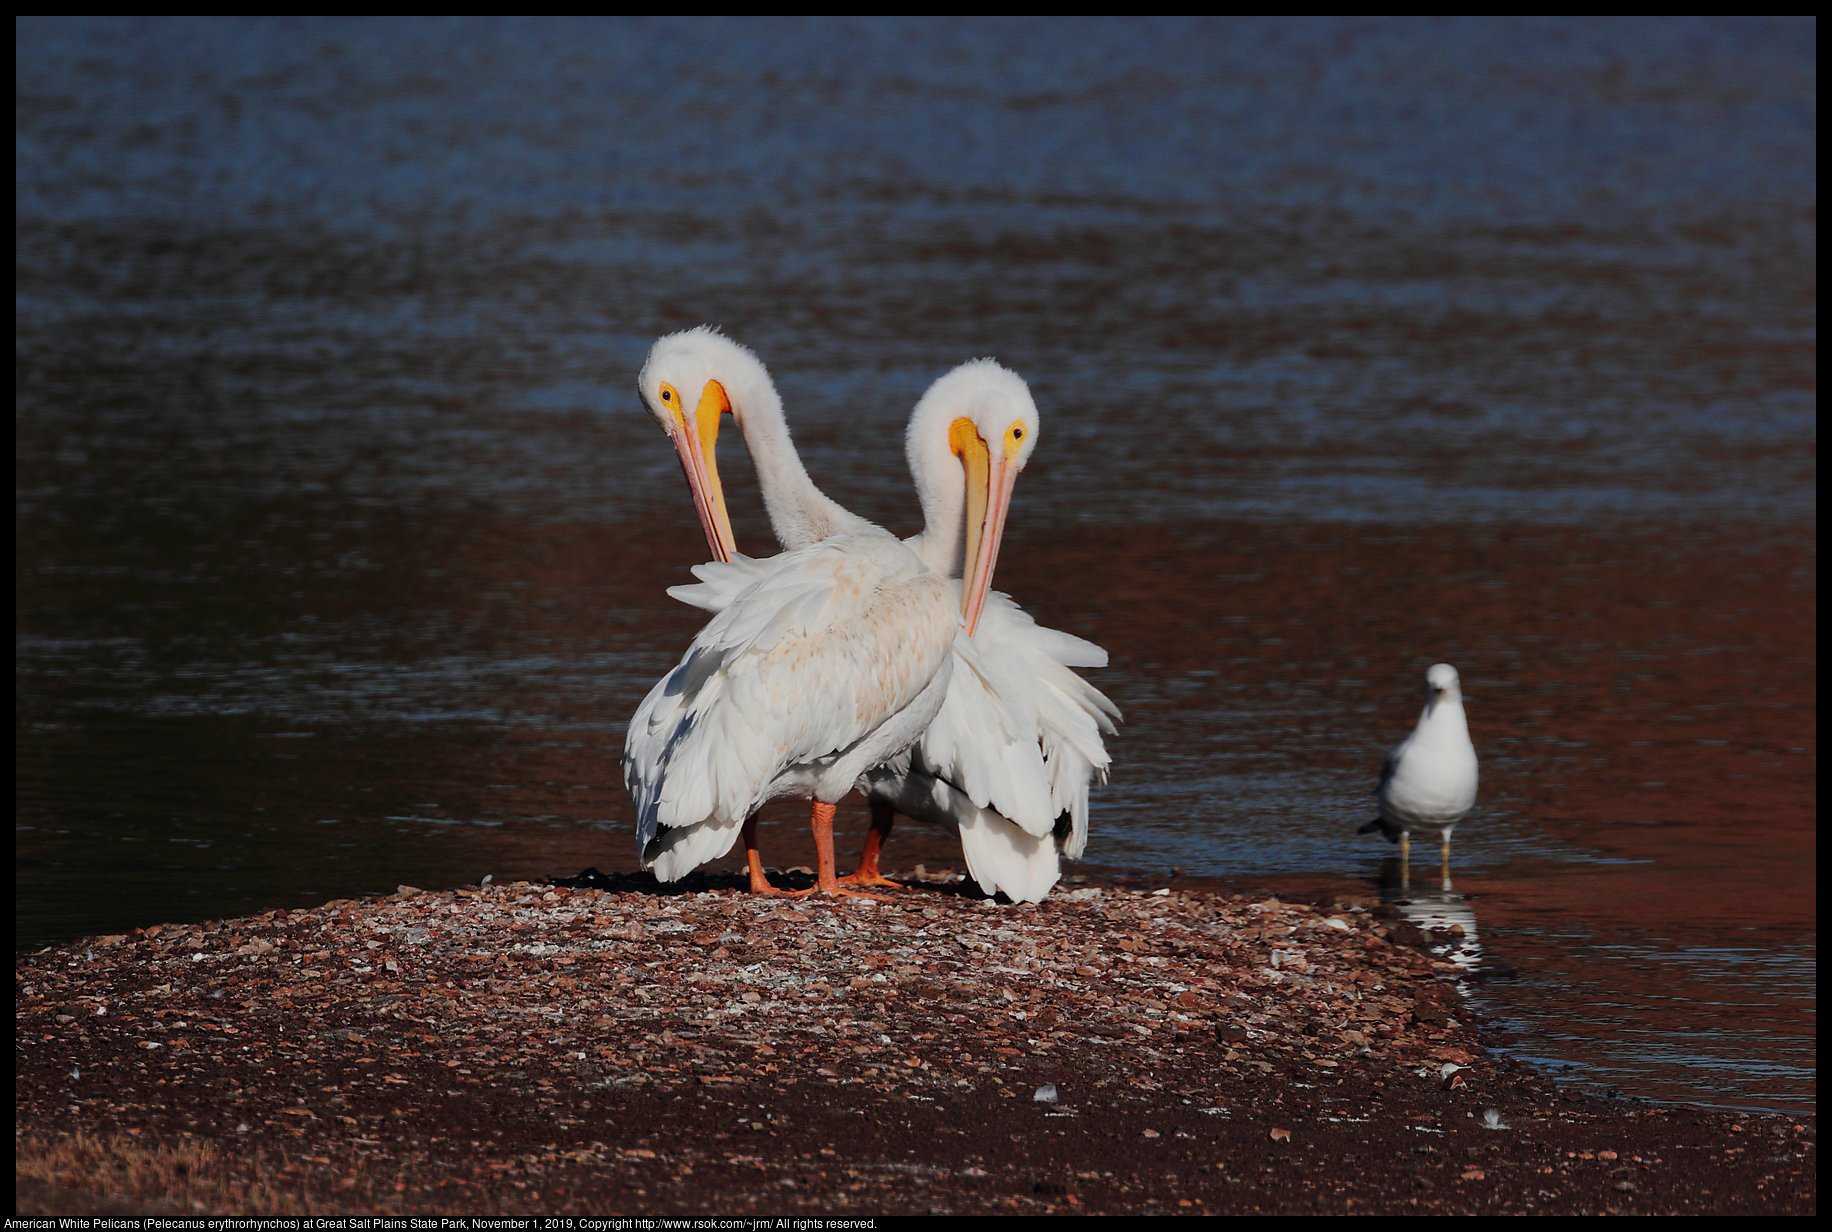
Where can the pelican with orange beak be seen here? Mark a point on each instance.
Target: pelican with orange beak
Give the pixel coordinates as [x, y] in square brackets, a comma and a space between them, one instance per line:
[820, 665]
[1009, 757]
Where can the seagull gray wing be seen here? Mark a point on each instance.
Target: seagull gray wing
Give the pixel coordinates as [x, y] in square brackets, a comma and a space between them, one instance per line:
[1387, 767]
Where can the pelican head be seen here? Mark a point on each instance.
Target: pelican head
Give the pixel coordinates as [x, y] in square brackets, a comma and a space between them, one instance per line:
[689, 380]
[970, 435]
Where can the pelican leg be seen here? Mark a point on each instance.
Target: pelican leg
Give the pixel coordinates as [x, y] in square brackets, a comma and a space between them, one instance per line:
[825, 880]
[754, 859]
[882, 818]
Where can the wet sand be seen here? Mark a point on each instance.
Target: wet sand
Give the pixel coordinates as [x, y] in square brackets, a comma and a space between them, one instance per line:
[626, 1049]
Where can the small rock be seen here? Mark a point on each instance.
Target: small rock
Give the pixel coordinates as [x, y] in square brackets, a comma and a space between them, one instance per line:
[1046, 1094]
[1281, 1135]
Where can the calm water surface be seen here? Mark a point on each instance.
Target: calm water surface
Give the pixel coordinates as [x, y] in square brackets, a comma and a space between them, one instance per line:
[341, 536]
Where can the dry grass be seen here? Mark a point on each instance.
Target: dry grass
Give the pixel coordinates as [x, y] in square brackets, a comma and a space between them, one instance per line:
[127, 1174]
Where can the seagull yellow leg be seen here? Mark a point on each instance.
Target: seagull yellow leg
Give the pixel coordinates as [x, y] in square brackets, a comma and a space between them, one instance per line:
[1405, 857]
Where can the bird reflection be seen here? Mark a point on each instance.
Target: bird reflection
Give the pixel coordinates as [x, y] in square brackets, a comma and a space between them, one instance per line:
[1444, 917]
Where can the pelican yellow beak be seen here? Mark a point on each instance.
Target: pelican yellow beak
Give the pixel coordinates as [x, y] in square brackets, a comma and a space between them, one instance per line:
[695, 440]
[990, 479]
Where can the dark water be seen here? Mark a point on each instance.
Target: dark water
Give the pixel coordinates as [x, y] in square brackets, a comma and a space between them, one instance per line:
[341, 537]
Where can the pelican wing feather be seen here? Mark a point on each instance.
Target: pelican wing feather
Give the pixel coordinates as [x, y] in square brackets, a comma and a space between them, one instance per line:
[805, 662]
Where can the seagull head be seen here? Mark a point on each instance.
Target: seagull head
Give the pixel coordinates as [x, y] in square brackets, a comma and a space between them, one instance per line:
[1441, 685]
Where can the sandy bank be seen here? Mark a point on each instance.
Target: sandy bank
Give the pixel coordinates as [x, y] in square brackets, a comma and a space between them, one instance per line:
[623, 1050]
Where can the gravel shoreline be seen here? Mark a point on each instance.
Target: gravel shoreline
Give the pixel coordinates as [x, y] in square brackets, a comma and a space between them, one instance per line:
[610, 1046]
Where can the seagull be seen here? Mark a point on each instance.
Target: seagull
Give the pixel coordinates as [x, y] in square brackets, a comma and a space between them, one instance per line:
[1429, 779]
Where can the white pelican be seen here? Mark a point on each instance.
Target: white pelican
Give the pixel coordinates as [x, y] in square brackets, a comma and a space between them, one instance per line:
[1014, 712]
[820, 664]
[1429, 779]
[1059, 715]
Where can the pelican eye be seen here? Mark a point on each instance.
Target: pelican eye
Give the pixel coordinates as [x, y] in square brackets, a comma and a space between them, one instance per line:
[671, 399]
[1014, 440]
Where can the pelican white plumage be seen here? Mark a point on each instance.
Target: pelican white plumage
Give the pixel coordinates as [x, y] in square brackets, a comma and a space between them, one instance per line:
[1060, 715]
[1428, 781]
[1009, 758]
[831, 662]
[819, 665]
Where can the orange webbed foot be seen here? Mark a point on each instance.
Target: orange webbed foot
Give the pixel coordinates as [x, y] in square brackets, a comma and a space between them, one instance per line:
[870, 878]
[838, 892]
